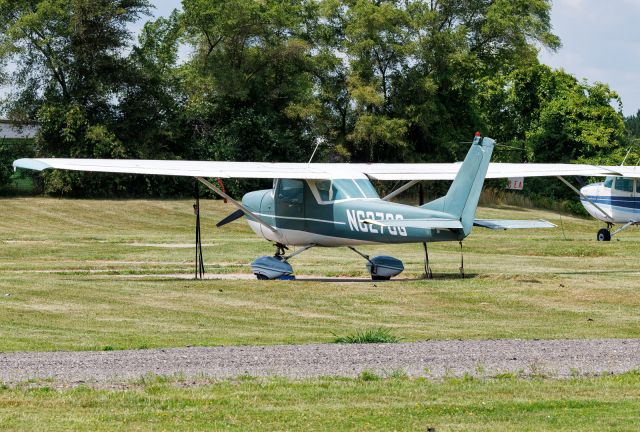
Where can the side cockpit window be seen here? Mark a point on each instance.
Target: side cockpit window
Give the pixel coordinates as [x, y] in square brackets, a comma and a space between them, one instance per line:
[624, 184]
[290, 191]
[608, 182]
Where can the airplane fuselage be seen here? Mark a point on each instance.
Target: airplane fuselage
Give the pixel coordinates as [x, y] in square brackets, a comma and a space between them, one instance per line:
[303, 217]
[619, 198]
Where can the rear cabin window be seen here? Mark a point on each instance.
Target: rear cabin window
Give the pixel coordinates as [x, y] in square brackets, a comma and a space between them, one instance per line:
[624, 184]
[334, 190]
[367, 188]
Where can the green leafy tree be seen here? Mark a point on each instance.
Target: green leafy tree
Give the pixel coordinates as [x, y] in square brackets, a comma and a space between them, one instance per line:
[377, 41]
[458, 44]
[559, 118]
[375, 80]
[250, 69]
[581, 125]
[150, 115]
[413, 68]
[10, 150]
[632, 126]
[70, 70]
[546, 115]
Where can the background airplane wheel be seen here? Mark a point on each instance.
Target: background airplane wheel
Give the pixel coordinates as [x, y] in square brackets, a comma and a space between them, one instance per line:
[380, 278]
[604, 235]
[261, 276]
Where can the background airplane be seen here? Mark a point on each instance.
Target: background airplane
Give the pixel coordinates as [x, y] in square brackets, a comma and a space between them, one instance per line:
[330, 205]
[616, 200]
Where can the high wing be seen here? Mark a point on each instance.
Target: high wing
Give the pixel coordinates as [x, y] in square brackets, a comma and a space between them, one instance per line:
[315, 171]
[197, 168]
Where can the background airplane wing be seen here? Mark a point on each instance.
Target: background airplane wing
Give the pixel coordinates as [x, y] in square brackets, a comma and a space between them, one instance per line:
[448, 171]
[420, 171]
[626, 171]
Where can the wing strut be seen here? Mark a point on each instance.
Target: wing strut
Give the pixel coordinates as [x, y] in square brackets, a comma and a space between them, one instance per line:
[606, 215]
[401, 189]
[624, 227]
[237, 204]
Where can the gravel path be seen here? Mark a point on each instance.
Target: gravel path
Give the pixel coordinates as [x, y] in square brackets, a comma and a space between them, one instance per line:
[554, 358]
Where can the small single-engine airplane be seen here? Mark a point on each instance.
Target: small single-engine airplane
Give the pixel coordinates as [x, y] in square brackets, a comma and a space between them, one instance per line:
[330, 205]
[614, 201]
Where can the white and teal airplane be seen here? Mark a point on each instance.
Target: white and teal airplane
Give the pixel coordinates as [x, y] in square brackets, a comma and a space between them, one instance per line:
[331, 205]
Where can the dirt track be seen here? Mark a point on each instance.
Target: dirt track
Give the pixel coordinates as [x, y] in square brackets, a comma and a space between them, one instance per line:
[553, 358]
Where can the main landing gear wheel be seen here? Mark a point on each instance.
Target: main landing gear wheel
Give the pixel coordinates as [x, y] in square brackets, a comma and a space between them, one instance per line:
[604, 235]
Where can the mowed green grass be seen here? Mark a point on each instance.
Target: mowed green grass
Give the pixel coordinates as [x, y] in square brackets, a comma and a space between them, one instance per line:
[507, 404]
[81, 274]
[87, 274]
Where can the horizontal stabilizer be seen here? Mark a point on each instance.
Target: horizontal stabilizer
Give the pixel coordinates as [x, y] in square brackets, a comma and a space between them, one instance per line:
[417, 223]
[505, 224]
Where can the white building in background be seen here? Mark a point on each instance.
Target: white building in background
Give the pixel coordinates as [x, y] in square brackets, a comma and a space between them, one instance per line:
[9, 129]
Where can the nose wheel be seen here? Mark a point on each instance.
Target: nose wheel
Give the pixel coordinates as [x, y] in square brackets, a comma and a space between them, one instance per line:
[604, 235]
[276, 267]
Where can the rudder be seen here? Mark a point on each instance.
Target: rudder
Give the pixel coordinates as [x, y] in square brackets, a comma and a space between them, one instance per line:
[462, 198]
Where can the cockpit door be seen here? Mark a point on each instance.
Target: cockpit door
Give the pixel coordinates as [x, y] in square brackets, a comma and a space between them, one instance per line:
[636, 198]
[289, 204]
[623, 200]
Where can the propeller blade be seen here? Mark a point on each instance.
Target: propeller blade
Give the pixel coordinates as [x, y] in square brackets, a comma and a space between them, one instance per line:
[233, 216]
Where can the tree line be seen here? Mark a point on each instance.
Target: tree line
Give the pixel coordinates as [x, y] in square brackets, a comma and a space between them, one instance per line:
[266, 80]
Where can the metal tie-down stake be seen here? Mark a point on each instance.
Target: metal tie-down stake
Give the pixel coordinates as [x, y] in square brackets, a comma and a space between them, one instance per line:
[199, 258]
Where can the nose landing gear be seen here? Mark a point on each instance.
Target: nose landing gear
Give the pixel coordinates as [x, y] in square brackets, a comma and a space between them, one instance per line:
[604, 235]
[276, 267]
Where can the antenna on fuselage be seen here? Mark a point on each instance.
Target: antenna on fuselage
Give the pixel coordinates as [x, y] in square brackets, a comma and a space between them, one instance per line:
[319, 141]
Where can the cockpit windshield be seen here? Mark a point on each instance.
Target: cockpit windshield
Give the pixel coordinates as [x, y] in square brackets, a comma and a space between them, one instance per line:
[608, 182]
[334, 190]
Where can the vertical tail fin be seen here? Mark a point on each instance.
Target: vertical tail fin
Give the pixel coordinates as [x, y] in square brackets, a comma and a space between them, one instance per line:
[462, 199]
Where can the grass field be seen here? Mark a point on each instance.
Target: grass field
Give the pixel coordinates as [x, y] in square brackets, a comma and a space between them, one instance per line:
[81, 274]
[506, 404]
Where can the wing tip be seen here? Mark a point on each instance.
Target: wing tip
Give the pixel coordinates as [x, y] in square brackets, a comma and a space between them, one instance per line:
[32, 164]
